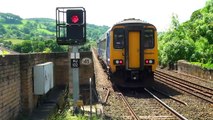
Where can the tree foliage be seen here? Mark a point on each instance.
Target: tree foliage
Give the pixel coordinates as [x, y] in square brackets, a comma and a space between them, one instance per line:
[94, 32]
[30, 46]
[191, 40]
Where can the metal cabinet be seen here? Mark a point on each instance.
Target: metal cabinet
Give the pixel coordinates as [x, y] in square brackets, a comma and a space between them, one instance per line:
[43, 78]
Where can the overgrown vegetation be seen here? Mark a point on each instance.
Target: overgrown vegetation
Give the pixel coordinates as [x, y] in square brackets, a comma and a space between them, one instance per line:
[191, 40]
[67, 115]
[204, 66]
[37, 34]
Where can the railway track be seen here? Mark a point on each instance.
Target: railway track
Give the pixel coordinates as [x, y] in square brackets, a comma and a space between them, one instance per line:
[150, 107]
[141, 105]
[128, 106]
[197, 90]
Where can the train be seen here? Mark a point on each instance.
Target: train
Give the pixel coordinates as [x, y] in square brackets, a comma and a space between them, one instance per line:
[129, 52]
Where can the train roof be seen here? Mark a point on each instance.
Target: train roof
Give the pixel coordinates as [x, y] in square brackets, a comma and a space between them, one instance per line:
[132, 21]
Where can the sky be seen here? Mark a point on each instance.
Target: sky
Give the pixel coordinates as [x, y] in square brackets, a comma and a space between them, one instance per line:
[108, 12]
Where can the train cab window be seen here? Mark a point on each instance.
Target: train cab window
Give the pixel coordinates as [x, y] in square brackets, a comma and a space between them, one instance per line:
[118, 38]
[148, 38]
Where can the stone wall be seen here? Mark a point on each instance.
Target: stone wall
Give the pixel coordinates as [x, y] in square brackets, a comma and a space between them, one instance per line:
[186, 67]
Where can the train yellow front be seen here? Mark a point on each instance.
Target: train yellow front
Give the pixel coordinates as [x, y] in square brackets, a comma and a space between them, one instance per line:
[129, 52]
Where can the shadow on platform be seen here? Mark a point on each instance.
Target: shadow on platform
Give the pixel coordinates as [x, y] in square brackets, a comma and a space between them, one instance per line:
[50, 105]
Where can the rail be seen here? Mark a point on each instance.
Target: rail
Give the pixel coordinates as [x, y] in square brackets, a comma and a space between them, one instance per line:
[199, 91]
[165, 105]
[129, 107]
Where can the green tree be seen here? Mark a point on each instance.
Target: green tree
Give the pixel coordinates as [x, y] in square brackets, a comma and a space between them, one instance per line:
[2, 30]
[191, 40]
[26, 47]
[175, 50]
[47, 50]
[203, 51]
[17, 47]
[54, 46]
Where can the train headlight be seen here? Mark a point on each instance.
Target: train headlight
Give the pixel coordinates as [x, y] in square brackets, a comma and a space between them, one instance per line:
[149, 61]
[118, 62]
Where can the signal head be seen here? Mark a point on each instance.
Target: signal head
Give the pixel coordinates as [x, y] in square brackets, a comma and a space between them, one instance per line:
[75, 16]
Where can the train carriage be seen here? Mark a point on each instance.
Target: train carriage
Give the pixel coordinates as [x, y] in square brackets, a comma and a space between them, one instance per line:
[129, 52]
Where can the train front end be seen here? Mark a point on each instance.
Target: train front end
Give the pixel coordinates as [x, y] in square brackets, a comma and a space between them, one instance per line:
[133, 54]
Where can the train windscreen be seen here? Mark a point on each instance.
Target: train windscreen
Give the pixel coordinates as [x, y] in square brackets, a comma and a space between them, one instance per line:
[148, 38]
[119, 38]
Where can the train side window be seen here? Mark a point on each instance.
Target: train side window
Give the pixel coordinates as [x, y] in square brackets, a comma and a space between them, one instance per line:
[118, 38]
[148, 38]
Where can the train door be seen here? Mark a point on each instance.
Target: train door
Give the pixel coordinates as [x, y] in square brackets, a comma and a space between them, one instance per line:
[134, 49]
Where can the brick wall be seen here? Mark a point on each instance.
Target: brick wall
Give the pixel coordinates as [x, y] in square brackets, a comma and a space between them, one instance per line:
[86, 71]
[61, 69]
[27, 62]
[186, 67]
[16, 80]
[10, 87]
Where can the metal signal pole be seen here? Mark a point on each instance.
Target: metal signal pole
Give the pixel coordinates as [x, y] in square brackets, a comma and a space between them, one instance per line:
[75, 59]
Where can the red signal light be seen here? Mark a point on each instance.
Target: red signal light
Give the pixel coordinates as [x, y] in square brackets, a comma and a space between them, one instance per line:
[147, 61]
[121, 61]
[75, 19]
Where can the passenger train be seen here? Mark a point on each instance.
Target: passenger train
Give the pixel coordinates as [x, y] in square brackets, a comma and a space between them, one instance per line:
[129, 51]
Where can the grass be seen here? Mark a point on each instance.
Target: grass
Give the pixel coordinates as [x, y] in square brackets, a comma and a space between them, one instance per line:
[68, 115]
[208, 66]
[3, 53]
[46, 31]
[15, 41]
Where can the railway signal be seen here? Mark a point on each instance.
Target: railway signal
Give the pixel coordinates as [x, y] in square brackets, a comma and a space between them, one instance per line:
[70, 25]
[71, 30]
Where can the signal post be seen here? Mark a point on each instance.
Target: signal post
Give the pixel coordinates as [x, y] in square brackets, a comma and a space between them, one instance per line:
[71, 30]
